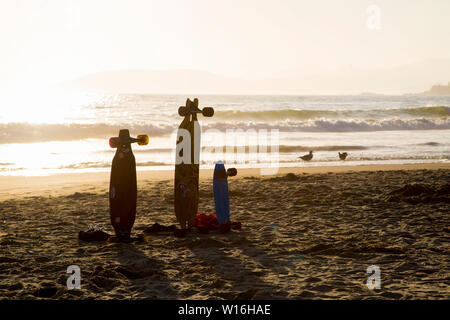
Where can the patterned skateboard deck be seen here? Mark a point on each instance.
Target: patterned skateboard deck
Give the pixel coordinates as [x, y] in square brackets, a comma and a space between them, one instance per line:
[187, 164]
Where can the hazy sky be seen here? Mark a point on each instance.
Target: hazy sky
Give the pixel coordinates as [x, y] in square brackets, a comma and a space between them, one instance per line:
[53, 40]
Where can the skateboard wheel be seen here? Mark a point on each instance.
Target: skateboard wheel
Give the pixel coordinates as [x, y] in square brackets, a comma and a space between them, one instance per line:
[221, 174]
[142, 139]
[208, 112]
[232, 172]
[114, 142]
[182, 111]
[196, 103]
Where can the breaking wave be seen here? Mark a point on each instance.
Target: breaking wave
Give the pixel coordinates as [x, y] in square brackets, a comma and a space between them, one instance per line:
[254, 148]
[329, 125]
[28, 133]
[100, 165]
[292, 114]
[353, 158]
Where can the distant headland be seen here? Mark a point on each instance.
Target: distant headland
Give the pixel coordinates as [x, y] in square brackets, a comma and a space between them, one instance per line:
[371, 94]
[436, 90]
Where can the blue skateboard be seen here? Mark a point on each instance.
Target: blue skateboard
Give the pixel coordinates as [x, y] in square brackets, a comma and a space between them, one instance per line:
[220, 188]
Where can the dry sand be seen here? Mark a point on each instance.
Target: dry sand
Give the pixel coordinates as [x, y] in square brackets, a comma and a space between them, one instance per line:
[308, 233]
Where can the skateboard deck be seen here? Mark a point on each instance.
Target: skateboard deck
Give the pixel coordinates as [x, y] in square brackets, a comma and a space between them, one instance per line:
[123, 184]
[221, 195]
[187, 160]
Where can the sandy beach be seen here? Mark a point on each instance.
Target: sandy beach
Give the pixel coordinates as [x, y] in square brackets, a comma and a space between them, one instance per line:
[308, 233]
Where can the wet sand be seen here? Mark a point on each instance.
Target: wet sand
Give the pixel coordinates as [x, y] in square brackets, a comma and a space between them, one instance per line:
[308, 233]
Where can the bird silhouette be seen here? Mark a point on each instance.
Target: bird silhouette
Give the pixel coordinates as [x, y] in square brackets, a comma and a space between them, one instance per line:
[307, 157]
[343, 155]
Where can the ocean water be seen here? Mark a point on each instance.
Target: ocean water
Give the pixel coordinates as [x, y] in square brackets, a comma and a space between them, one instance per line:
[47, 133]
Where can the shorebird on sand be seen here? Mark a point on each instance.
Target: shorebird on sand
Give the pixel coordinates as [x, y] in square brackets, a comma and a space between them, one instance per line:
[343, 155]
[307, 157]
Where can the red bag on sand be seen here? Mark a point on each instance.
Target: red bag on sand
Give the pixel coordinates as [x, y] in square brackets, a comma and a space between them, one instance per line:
[206, 222]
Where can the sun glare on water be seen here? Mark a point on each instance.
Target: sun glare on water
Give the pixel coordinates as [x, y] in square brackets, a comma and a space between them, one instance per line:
[43, 106]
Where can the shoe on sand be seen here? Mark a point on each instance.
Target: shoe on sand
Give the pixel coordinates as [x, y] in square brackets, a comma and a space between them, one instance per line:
[93, 235]
[180, 233]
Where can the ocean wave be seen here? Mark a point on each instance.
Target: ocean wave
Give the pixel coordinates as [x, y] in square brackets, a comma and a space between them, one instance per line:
[321, 161]
[274, 115]
[330, 125]
[28, 133]
[294, 114]
[428, 144]
[247, 149]
[352, 158]
[85, 165]
[99, 165]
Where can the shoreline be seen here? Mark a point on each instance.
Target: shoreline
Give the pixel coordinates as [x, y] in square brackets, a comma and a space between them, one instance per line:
[60, 184]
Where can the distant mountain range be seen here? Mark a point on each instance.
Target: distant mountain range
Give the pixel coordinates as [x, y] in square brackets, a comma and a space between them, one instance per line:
[415, 77]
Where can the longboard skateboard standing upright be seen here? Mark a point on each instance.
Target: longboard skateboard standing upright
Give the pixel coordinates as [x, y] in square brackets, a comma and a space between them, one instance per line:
[187, 163]
[123, 185]
[221, 196]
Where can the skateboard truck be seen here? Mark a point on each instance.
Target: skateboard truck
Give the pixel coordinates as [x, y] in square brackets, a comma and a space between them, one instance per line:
[124, 139]
[222, 174]
[192, 108]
